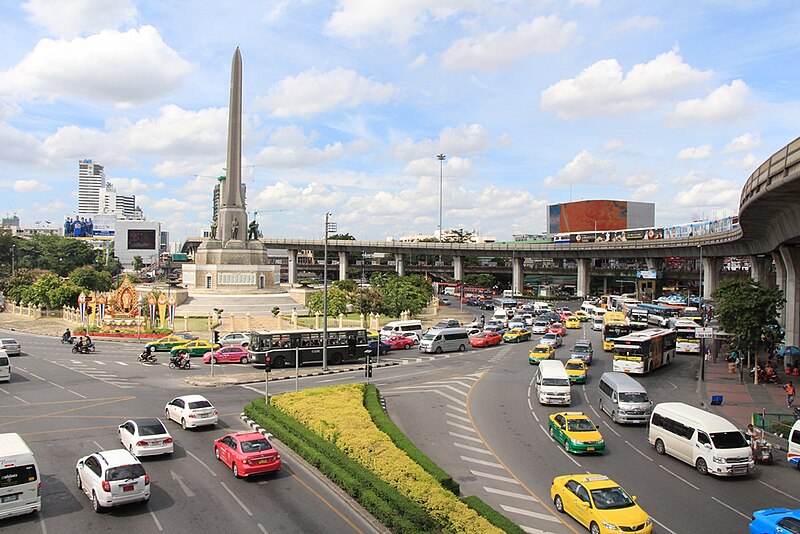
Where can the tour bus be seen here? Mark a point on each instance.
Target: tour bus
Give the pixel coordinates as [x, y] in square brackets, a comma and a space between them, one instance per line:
[20, 482]
[344, 344]
[659, 315]
[641, 352]
[615, 325]
[688, 342]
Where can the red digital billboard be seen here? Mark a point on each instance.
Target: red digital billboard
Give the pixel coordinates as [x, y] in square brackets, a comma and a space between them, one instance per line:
[588, 216]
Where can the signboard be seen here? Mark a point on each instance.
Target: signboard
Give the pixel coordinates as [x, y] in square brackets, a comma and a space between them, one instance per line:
[705, 333]
[649, 274]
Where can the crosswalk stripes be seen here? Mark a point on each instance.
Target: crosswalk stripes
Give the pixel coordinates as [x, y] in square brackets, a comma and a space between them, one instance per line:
[85, 368]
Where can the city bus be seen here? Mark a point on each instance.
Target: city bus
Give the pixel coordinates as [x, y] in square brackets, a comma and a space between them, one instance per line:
[344, 345]
[641, 352]
[659, 315]
[691, 313]
[638, 317]
[688, 342]
[615, 325]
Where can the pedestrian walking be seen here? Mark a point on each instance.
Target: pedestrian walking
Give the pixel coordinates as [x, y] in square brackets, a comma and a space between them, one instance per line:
[789, 388]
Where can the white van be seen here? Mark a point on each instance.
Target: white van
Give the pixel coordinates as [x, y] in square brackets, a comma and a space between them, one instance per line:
[552, 383]
[5, 367]
[624, 399]
[401, 327]
[541, 307]
[712, 444]
[21, 487]
[793, 455]
[445, 340]
[587, 307]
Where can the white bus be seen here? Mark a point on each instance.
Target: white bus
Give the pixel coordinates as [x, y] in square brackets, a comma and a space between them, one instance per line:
[641, 352]
[687, 342]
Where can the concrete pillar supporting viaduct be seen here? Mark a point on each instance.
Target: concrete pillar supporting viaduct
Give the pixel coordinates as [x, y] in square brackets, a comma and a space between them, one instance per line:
[654, 263]
[517, 275]
[344, 265]
[711, 270]
[761, 269]
[292, 266]
[400, 264]
[791, 262]
[458, 267]
[780, 281]
[583, 284]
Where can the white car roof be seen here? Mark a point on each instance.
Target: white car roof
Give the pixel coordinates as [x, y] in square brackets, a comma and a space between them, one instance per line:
[117, 457]
[192, 398]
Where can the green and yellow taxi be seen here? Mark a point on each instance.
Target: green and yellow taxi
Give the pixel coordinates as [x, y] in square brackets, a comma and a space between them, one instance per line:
[576, 371]
[581, 316]
[540, 353]
[576, 433]
[599, 504]
[572, 322]
[165, 344]
[198, 347]
[515, 335]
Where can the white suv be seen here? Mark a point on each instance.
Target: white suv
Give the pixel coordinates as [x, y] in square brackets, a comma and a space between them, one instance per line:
[112, 478]
[235, 338]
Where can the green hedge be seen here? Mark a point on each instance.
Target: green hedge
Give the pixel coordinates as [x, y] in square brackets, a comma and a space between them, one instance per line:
[386, 425]
[390, 507]
[493, 516]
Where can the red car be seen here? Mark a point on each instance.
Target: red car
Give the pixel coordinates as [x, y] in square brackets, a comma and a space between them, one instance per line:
[558, 328]
[400, 342]
[247, 453]
[485, 339]
[229, 354]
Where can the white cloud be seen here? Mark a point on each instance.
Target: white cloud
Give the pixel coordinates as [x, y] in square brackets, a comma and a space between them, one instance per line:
[602, 89]
[70, 18]
[692, 177]
[133, 185]
[419, 61]
[461, 139]
[16, 146]
[635, 24]
[493, 50]
[313, 92]
[291, 148]
[126, 69]
[647, 191]
[695, 152]
[726, 103]
[588, 3]
[709, 193]
[583, 167]
[30, 186]
[750, 161]
[453, 168]
[743, 143]
[176, 131]
[612, 145]
[283, 195]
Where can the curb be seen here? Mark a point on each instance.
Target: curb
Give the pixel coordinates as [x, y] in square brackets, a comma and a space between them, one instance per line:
[235, 382]
[252, 424]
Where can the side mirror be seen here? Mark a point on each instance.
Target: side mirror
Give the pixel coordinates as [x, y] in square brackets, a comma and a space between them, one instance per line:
[597, 427]
[633, 497]
[707, 446]
[563, 426]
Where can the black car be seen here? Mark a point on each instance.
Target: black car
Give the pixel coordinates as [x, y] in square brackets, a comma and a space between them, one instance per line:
[487, 305]
[446, 323]
[370, 350]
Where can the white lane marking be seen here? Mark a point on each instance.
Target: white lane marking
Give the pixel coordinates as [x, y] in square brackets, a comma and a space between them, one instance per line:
[98, 362]
[680, 478]
[337, 379]
[482, 462]
[21, 400]
[731, 508]
[433, 387]
[201, 463]
[510, 494]
[179, 479]
[779, 491]
[637, 450]
[462, 436]
[261, 528]
[122, 363]
[158, 524]
[531, 530]
[450, 382]
[4, 391]
[530, 406]
[462, 427]
[660, 524]
[536, 515]
[236, 498]
[56, 385]
[671, 384]
[460, 418]
[41, 522]
[565, 453]
[583, 387]
[471, 448]
[36, 376]
[494, 477]
[99, 447]
[456, 408]
[76, 393]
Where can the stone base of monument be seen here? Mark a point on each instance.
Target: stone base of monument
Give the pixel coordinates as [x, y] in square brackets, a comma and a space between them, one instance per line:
[232, 267]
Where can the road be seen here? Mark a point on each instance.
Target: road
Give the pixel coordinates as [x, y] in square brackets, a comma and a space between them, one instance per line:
[67, 406]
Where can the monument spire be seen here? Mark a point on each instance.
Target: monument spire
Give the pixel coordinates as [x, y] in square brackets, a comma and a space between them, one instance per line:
[232, 213]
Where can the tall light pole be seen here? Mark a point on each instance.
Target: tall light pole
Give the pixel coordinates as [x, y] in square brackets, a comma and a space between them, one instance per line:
[13, 250]
[441, 158]
[329, 227]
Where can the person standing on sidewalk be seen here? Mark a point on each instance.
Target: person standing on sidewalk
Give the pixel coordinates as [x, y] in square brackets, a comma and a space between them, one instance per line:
[789, 388]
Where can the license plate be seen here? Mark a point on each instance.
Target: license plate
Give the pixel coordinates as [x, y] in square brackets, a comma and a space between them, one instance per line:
[589, 448]
[265, 460]
[202, 415]
[626, 371]
[127, 487]
[9, 498]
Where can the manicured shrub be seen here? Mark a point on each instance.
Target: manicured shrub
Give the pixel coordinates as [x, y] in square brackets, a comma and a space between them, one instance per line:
[492, 515]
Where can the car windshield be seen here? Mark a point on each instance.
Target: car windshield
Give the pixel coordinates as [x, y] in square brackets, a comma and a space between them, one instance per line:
[195, 405]
[574, 365]
[555, 382]
[152, 430]
[580, 425]
[256, 445]
[541, 350]
[611, 498]
[728, 440]
[429, 337]
[8, 341]
[125, 472]
[481, 334]
[540, 323]
[581, 348]
[549, 336]
[633, 397]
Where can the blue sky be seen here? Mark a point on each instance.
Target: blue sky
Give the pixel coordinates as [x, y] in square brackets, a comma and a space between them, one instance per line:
[346, 104]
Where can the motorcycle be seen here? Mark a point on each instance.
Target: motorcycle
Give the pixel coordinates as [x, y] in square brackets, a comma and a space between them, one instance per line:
[180, 362]
[67, 339]
[147, 357]
[83, 349]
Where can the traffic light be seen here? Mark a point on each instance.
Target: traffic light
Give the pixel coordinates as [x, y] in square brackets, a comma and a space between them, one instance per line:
[368, 368]
[215, 338]
[267, 364]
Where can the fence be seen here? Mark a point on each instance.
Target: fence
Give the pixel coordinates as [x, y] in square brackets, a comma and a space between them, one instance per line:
[775, 423]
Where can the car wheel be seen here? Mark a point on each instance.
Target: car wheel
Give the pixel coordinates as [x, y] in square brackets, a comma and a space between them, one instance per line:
[594, 529]
[78, 480]
[600, 405]
[279, 362]
[701, 466]
[235, 470]
[461, 348]
[244, 360]
[566, 444]
[559, 504]
[213, 360]
[96, 504]
[166, 414]
[614, 416]
[183, 423]
[336, 359]
[660, 447]
[550, 431]
[438, 350]
[408, 346]
[216, 453]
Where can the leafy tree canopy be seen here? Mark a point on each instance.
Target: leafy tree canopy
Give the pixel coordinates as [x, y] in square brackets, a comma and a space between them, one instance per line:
[749, 311]
[337, 301]
[342, 237]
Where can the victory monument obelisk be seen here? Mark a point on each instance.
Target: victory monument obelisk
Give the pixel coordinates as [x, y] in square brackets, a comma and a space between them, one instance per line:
[232, 260]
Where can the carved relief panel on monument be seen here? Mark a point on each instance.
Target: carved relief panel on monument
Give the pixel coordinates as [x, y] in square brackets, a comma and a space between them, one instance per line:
[236, 279]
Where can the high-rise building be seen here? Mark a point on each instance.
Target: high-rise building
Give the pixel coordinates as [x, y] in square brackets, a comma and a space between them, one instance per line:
[91, 186]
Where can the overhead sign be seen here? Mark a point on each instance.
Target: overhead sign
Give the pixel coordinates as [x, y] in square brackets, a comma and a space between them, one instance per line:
[706, 333]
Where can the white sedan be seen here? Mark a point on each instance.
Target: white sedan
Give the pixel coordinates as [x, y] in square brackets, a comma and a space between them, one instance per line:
[145, 437]
[552, 339]
[191, 411]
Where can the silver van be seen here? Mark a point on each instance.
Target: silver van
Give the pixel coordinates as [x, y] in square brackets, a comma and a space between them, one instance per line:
[624, 399]
[5, 367]
[445, 340]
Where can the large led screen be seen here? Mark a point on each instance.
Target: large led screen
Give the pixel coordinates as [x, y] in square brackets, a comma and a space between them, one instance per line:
[141, 239]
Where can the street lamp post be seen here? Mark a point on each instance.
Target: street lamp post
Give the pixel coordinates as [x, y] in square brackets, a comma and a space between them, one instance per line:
[13, 250]
[329, 227]
[441, 158]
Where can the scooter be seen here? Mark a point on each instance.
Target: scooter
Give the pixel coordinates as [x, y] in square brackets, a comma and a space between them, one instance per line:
[83, 349]
[180, 362]
[147, 357]
[67, 339]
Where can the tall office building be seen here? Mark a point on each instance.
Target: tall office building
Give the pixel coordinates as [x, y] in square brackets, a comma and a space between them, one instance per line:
[91, 186]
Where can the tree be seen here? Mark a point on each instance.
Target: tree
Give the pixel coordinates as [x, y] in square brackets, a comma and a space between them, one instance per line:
[346, 285]
[480, 280]
[342, 237]
[91, 279]
[749, 311]
[45, 291]
[405, 293]
[60, 255]
[137, 263]
[337, 301]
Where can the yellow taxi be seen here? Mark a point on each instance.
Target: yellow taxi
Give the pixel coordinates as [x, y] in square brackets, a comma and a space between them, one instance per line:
[198, 347]
[581, 316]
[576, 433]
[576, 370]
[599, 504]
[165, 344]
[540, 353]
[572, 322]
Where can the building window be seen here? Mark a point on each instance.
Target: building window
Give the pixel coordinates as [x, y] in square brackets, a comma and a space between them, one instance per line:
[208, 282]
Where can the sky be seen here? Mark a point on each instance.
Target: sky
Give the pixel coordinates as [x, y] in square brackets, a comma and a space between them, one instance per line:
[347, 103]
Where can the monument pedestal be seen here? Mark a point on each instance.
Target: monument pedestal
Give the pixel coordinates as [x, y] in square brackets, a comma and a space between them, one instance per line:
[234, 266]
